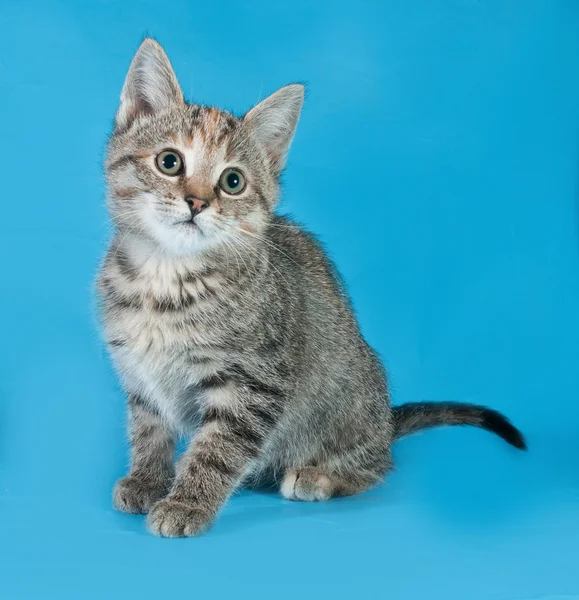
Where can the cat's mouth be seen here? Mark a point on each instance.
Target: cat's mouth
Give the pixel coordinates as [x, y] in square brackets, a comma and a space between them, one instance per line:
[190, 224]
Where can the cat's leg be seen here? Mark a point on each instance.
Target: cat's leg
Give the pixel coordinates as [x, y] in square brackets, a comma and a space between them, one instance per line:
[239, 415]
[343, 472]
[310, 484]
[152, 461]
[351, 459]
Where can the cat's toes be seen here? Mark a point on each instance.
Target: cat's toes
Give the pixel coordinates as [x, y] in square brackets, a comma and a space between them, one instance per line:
[307, 484]
[135, 496]
[170, 518]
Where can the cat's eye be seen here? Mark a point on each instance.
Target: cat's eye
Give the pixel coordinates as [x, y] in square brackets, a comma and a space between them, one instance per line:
[232, 181]
[169, 162]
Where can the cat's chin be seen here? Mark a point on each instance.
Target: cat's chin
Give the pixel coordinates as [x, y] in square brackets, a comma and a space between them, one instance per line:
[184, 238]
[175, 236]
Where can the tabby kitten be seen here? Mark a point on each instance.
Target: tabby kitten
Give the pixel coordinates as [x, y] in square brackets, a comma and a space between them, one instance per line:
[229, 324]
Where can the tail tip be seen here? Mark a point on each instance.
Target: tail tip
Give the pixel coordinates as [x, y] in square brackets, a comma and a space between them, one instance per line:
[497, 423]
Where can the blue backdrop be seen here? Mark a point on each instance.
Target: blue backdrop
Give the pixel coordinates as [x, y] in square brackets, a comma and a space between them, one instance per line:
[438, 159]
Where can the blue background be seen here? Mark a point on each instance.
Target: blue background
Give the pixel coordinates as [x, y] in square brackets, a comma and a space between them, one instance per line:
[438, 159]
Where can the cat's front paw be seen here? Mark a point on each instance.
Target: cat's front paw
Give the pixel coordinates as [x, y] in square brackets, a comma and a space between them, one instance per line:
[170, 518]
[135, 496]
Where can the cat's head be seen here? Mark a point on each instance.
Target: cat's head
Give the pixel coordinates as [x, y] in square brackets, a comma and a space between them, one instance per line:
[190, 177]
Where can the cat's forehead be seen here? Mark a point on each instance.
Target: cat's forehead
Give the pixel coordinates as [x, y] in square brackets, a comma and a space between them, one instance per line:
[212, 125]
[208, 129]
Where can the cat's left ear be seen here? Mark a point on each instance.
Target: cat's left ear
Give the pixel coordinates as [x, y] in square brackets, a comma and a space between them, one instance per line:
[150, 87]
[274, 120]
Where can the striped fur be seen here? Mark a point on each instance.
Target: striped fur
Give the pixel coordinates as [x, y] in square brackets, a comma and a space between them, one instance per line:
[415, 416]
[231, 325]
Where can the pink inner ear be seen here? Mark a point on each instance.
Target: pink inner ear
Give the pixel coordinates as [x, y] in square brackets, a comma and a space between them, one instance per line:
[137, 108]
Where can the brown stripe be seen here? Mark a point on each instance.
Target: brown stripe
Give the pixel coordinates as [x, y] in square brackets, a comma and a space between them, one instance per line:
[125, 265]
[236, 428]
[121, 162]
[123, 301]
[254, 384]
[213, 381]
[126, 192]
[214, 462]
[268, 415]
[164, 305]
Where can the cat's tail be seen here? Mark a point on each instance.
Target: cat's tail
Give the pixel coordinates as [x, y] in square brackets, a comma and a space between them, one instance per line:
[414, 416]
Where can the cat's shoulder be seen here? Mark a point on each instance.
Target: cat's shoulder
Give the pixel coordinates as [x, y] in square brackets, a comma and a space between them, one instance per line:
[287, 231]
[297, 240]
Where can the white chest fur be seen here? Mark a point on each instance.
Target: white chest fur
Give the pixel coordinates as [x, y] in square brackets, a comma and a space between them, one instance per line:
[153, 364]
[157, 352]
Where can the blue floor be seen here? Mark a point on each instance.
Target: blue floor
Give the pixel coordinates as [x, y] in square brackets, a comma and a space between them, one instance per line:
[438, 159]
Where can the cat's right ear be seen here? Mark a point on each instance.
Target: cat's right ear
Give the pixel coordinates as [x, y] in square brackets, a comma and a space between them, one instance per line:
[150, 87]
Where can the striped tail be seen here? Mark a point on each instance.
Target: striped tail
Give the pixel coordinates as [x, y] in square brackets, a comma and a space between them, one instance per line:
[414, 416]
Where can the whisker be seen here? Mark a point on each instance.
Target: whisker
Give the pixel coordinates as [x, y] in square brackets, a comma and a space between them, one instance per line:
[234, 238]
[253, 251]
[269, 243]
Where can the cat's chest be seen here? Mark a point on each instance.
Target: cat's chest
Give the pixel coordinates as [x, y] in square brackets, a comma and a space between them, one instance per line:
[159, 308]
[165, 370]
[168, 329]
[150, 334]
[163, 355]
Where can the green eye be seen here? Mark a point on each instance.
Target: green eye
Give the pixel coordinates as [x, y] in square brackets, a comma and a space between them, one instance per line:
[232, 181]
[169, 162]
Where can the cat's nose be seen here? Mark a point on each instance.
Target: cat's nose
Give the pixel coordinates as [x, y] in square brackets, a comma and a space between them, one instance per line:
[196, 205]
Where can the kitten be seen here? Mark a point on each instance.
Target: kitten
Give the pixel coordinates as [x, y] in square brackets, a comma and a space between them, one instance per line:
[229, 324]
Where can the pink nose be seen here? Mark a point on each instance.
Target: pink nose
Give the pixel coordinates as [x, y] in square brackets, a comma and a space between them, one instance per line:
[196, 205]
